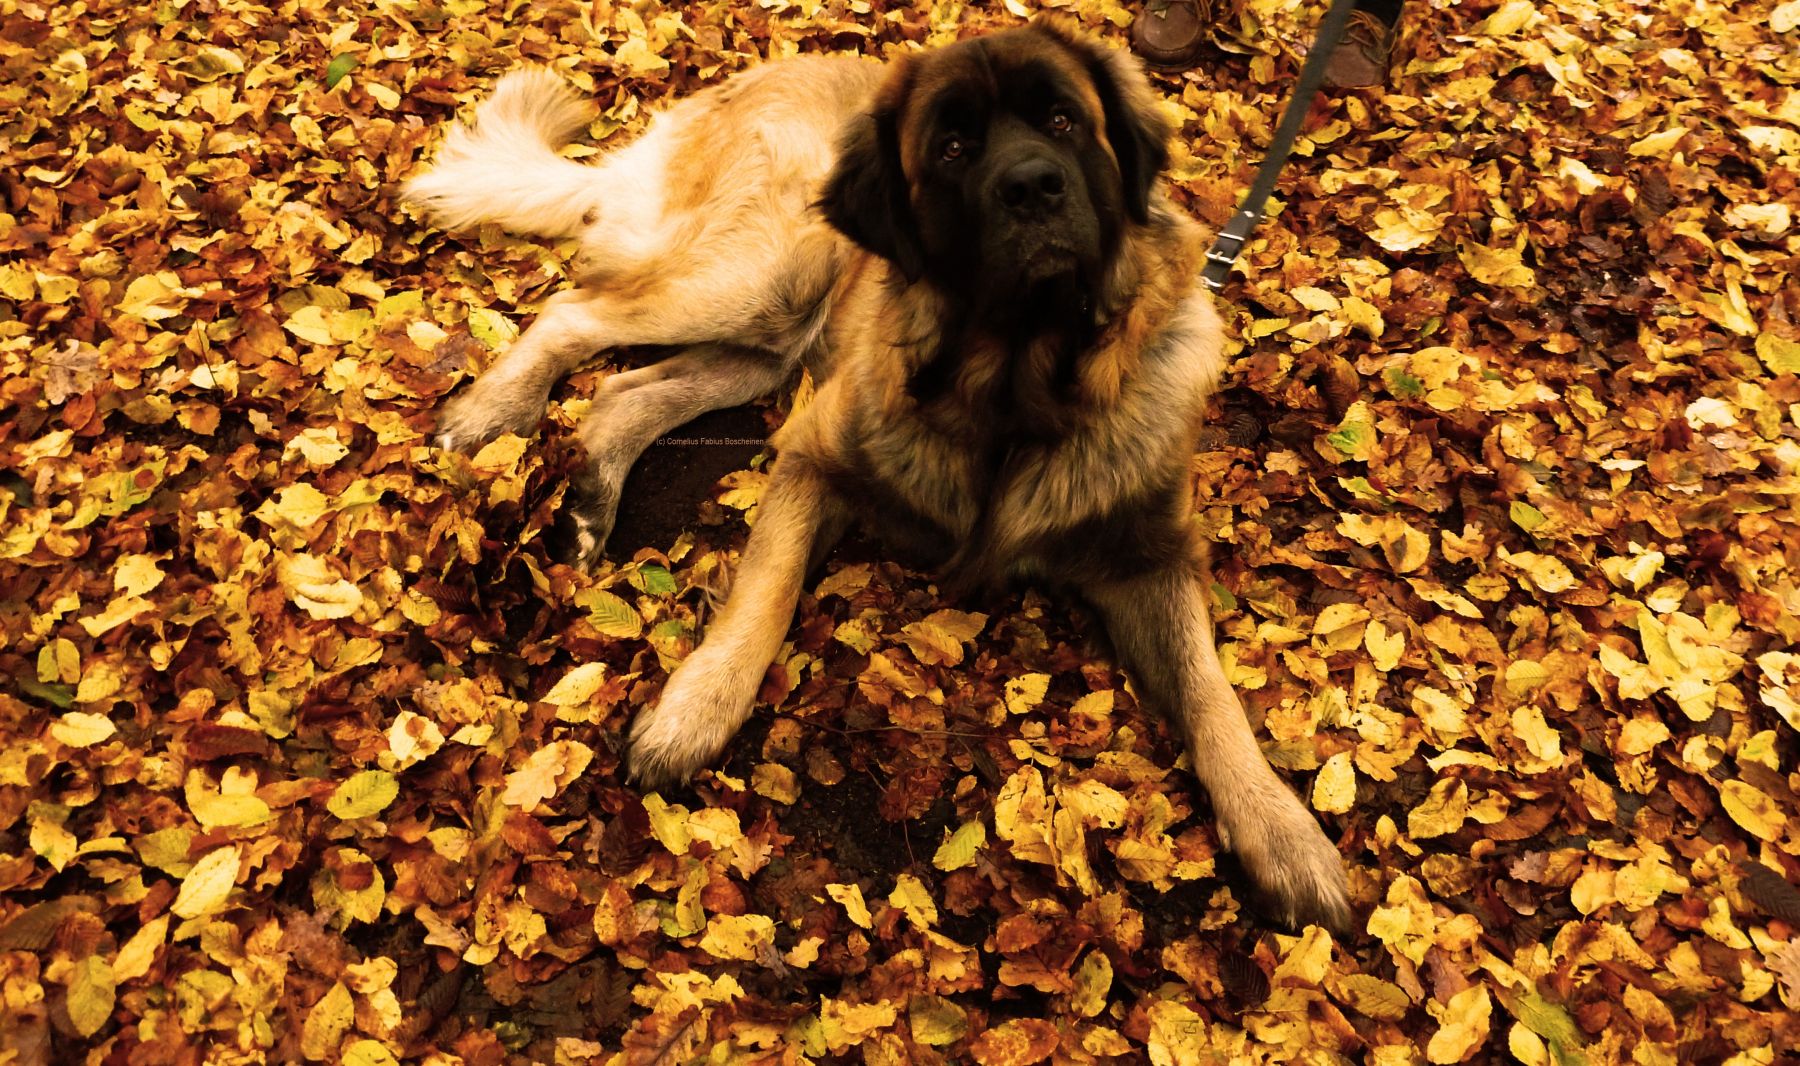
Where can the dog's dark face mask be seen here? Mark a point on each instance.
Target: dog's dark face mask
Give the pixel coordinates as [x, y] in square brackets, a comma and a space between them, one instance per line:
[1004, 169]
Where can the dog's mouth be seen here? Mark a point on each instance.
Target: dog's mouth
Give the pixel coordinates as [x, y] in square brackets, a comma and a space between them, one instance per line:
[1038, 257]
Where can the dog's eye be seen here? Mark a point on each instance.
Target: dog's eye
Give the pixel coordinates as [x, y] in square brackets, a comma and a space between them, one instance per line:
[953, 148]
[1060, 122]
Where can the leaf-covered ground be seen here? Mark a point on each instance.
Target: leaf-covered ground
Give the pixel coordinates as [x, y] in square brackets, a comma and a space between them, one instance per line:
[307, 751]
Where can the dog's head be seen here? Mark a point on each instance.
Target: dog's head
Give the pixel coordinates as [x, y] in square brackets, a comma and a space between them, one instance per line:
[1003, 165]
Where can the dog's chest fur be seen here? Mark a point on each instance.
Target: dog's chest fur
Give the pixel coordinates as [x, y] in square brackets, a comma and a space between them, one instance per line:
[1015, 458]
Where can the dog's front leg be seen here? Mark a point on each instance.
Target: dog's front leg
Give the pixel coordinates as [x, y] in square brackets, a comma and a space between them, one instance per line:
[1161, 628]
[710, 694]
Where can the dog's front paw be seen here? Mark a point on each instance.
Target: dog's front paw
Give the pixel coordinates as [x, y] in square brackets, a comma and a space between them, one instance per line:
[700, 710]
[1297, 871]
[486, 409]
[584, 523]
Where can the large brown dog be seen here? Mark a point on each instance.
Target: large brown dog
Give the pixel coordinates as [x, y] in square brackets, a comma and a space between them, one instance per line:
[971, 250]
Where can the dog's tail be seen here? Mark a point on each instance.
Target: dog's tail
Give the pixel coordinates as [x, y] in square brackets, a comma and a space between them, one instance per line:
[505, 167]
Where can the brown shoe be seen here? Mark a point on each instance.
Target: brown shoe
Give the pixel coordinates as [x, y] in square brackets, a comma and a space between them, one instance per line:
[1171, 34]
[1361, 59]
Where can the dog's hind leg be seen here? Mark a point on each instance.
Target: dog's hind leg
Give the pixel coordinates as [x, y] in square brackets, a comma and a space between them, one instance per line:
[633, 408]
[510, 396]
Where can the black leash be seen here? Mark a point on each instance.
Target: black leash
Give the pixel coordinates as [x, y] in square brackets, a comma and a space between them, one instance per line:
[1230, 241]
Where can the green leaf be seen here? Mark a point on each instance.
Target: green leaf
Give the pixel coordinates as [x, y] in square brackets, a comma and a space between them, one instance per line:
[1527, 517]
[62, 696]
[654, 580]
[363, 795]
[1403, 385]
[338, 69]
[1552, 1022]
[1351, 439]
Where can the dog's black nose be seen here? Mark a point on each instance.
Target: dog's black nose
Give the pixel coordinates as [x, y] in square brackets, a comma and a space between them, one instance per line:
[1035, 184]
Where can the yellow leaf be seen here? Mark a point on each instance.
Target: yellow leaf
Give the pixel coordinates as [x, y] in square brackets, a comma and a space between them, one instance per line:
[689, 916]
[938, 639]
[309, 324]
[1022, 816]
[843, 1024]
[1543, 742]
[91, 985]
[1385, 648]
[1753, 810]
[316, 589]
[206, 887]
[1524, 676]
[369, 1053]
[1093, 980]
[1780, 355]
[78, 729]
[775, 781]
[1546, 572]
[51, 839]
[499, 456]
[139, 953]
[959, 848]
[1026, 691]
[1096, 802]
[911, 896]
[609, 614]
[1640, 735]
[1660, 143]
[852, 899]
[349, 901]
[1334, 787]
[1509, 18]
[1578, 174]
[936, 1021]
[1406, 923]
[120, 610]
[413, 738]
[319, 446]
[1373, 997]
[1177, 1035]
[577, 686]
[546, 772]
[1338, 616]
[363, 795]
[669, 824]
[154, 297]
[1497, 266]
[743, 937]
[1463, 1025]
[327, 1022]
[1442, 811]
[1593, 889]
[218, 810]
[136, 575]
[1072, 852]
[639, 61]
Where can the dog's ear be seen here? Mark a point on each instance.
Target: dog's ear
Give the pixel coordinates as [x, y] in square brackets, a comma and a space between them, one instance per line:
[867, 195]
[1136, 127]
